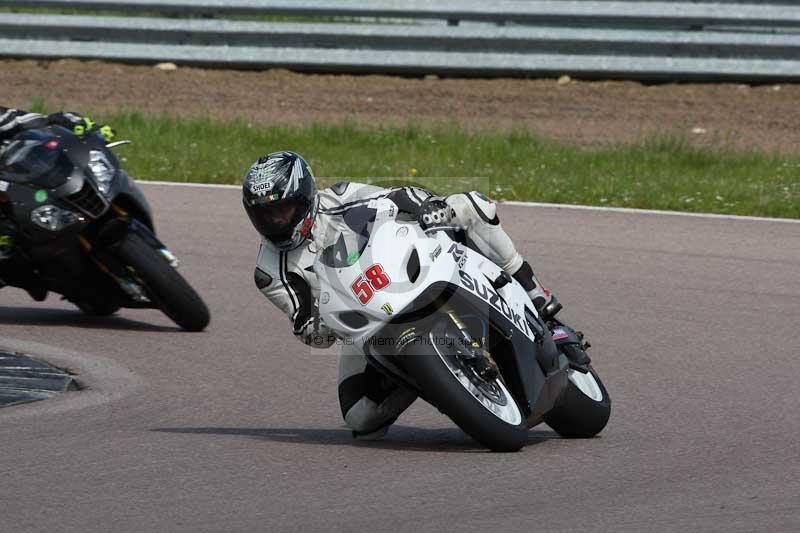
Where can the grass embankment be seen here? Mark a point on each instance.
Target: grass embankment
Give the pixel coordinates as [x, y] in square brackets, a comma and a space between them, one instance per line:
[666, 173]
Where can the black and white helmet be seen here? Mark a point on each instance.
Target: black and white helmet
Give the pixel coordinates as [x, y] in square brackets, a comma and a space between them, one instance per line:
[279, 193]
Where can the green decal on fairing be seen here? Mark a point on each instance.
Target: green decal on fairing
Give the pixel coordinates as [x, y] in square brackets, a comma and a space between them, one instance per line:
[353, 257]
[40, 195]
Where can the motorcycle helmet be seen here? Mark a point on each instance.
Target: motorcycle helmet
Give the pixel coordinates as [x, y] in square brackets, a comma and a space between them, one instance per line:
[279, 193]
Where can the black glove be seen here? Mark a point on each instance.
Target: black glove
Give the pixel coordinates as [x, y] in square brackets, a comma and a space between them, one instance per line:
[434, 212]
[80, 125]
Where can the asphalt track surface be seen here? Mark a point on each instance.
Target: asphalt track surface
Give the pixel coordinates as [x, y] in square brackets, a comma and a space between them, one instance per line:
[694, 324]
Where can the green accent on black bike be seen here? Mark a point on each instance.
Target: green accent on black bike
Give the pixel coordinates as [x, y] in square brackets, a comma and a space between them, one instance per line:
[107, 133]
[89, 125]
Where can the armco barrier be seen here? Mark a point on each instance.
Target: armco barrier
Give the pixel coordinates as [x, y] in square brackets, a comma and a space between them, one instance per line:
[586, 38]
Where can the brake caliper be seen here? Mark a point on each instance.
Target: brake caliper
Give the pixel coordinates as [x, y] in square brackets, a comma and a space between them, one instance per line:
[481, 362]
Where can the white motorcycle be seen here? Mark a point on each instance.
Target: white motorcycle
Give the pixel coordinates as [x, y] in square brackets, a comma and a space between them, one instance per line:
[441, 319]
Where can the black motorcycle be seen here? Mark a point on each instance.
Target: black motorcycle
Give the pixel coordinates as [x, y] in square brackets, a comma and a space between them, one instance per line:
[73, 222]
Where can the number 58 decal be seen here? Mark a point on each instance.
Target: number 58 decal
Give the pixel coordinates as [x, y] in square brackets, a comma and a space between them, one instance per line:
[376, 279]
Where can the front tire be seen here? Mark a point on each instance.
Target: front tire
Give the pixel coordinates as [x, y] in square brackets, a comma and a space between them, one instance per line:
[446, 383]
[584, 408]
[164, 285]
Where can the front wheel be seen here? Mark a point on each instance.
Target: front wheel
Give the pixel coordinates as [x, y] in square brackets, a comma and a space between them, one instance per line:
[165, 287]
[584, 408]
[485, 410]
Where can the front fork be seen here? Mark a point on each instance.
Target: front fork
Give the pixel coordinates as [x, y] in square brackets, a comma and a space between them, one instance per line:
[108, 237]
[475, 353]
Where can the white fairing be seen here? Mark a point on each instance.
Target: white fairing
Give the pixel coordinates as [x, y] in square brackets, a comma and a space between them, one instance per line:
[391, 244]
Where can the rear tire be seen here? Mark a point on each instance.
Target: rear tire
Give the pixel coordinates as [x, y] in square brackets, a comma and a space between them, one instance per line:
[584, 408]
[164, 285]
[442, 388]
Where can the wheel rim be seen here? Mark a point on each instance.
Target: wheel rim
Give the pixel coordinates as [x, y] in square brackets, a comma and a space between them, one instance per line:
[586, 384]
[494, 396]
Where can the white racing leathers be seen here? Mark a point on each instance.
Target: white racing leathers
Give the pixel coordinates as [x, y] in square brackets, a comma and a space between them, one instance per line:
[369, 402]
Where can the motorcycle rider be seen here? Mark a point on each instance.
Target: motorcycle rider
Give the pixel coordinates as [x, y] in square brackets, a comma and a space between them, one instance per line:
[280, 197]
[12, 121]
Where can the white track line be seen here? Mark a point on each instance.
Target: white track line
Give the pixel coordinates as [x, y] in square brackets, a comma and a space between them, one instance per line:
[628, 210]
[653, 212]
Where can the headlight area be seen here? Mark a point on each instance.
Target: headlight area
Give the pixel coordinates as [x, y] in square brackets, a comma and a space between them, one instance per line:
[102, 169]
[54, 218]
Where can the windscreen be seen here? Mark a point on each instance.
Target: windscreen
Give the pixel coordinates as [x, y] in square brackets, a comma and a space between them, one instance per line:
[348, 241]
[36, 158]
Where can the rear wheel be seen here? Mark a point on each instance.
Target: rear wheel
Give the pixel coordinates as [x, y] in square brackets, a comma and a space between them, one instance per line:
[165, 287]
[485, 410]
[583, 409]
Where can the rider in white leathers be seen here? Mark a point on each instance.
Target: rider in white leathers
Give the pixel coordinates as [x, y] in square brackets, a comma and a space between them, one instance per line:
[280, 196]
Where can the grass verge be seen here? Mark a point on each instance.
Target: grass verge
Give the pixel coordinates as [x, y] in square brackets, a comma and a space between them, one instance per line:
[659, 173]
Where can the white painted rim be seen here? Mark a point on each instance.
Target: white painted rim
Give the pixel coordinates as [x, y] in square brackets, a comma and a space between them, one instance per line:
[586, 384]
[627, 210]
[508, 413]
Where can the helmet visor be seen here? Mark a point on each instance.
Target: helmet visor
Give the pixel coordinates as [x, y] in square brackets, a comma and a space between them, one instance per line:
[277, 220]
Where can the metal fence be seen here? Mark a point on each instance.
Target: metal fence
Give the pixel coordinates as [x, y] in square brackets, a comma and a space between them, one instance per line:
[676, 40]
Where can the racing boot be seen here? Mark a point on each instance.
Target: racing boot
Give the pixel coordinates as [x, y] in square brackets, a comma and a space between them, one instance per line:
[545, 302]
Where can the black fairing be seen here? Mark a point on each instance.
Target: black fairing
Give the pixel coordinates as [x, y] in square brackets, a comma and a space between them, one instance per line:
[128, 196]
[61, 259]
[37, 157]
[68, 174]
[43, 157]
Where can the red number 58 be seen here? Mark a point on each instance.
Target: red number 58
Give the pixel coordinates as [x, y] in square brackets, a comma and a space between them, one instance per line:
[376, 279]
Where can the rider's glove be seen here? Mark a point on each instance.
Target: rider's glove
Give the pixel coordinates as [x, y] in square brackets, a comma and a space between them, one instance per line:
[80, 125]
[107, 133]
[313, 331]
[434, 212]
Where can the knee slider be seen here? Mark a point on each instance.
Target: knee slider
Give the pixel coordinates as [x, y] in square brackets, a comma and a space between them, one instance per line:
[473, 207]
[364, 417]
[485, 207]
